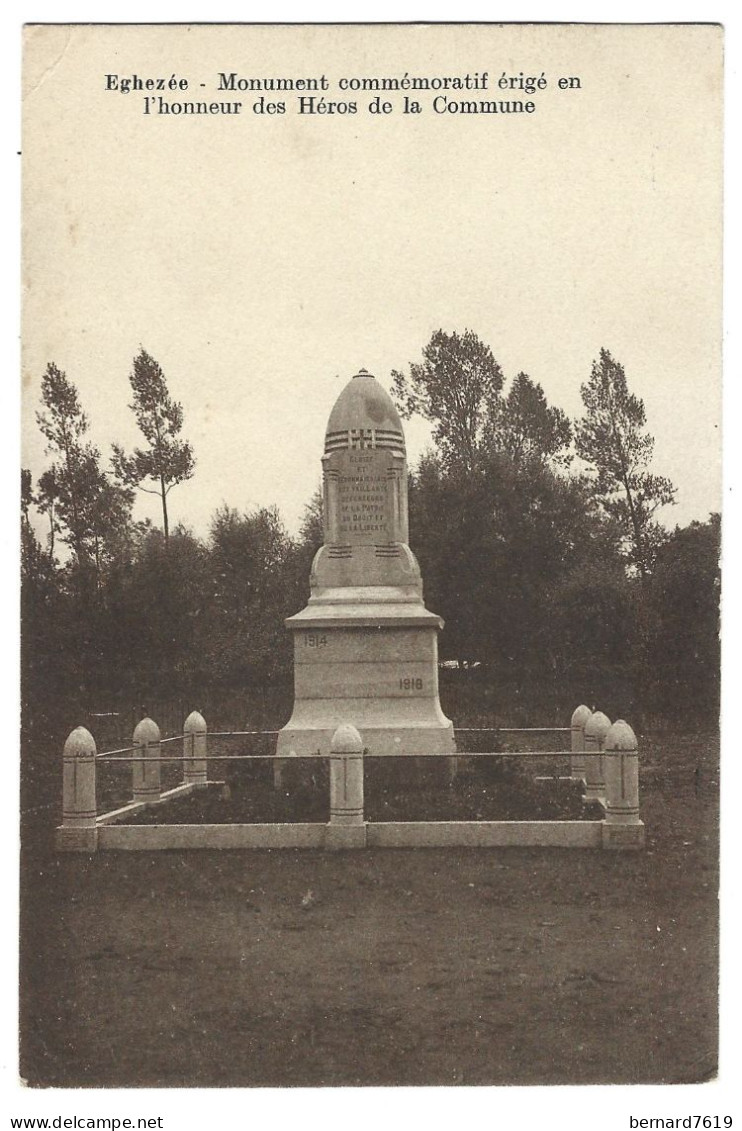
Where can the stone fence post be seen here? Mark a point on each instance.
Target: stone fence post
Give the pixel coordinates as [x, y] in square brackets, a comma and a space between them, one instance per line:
[347, 828]
[577, 761]
[194, 746]
[596, 728]
[78, 832]
[146, 772]
[622, 827]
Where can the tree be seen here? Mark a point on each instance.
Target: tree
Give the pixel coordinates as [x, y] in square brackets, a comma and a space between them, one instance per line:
[457, 387]
[49, 666]
[252, 564]
[683, 649]
[31, 552]
[110, 519]
[167, 460]
[27, 498]
[499, 529]
[91, 515]
[84, 506]
[312, 531]
[593, 629]
[157, 599]
[529, 429]
[46, 499]
[493, 547]
[612, 440]
[66, 488]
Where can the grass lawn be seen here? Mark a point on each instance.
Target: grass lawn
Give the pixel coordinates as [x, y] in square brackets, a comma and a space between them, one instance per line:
[408, 966]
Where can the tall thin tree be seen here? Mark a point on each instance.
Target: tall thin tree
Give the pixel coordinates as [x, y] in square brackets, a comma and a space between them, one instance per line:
[167, 460]
[612, 439]
[71, 489]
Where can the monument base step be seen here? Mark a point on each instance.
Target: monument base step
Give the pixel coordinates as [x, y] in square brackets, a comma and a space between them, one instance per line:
[378, 741]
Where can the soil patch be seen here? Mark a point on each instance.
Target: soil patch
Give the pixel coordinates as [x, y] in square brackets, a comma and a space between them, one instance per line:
[421, 792]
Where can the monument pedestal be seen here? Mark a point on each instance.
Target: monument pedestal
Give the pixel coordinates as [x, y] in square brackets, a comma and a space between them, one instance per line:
[371, 660]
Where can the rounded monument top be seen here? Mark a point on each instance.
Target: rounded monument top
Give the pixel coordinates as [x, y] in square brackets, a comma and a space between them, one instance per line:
[194, 724]
[346, 740]
[364, 416]
[80, 744]
[620, 737]
[597, 726]
[146, 731]
[580, 716]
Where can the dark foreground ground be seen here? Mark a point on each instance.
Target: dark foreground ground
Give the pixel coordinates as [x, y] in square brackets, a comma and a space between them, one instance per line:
[410, 967]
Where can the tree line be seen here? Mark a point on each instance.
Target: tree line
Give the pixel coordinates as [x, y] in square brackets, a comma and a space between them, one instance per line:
[539, 542]
[537, 538]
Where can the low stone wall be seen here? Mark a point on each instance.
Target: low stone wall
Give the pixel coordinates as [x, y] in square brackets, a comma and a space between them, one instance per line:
[603, 756]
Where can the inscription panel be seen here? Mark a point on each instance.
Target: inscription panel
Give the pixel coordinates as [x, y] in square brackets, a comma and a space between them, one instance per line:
[363, 498]
[365, 681]
[326, 646]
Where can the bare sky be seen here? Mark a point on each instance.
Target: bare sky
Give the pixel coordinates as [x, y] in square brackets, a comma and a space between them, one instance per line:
[263, 259]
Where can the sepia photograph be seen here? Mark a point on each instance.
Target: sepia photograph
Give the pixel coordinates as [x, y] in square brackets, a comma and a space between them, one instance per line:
[370, 555]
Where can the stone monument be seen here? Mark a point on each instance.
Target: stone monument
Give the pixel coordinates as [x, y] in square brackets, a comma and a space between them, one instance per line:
[365, 647]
